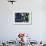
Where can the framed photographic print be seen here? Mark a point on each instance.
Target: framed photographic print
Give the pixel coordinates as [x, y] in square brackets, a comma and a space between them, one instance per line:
[22, 18]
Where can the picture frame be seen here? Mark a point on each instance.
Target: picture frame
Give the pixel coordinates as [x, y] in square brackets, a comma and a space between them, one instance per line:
[18, 15]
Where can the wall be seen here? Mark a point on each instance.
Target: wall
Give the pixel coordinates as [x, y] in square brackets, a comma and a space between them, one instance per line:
[37, 30]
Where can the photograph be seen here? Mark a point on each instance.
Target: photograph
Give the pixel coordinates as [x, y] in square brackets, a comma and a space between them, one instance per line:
[22, 22]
